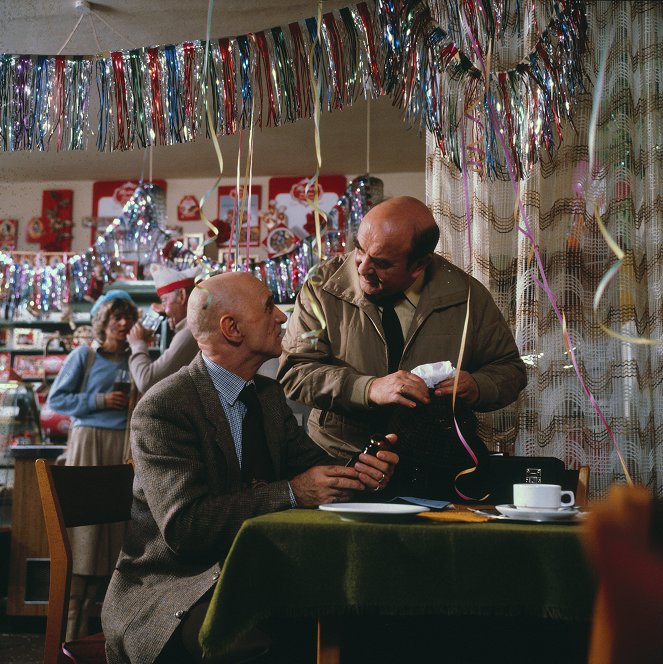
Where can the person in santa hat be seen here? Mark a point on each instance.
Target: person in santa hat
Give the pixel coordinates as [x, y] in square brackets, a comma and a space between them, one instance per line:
[173, 288]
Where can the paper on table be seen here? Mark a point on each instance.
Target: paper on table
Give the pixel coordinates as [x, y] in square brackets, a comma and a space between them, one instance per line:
[425, 502]
[435, 372]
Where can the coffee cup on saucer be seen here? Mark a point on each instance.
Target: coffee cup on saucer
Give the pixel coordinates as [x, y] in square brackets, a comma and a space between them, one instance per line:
[541, 496]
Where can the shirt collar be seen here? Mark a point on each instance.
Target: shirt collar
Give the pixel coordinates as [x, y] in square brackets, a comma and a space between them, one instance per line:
[227, 384]
[413, 293]
[97, 347]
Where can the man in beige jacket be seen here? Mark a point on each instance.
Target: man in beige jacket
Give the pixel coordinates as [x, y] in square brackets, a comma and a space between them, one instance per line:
[336, 356]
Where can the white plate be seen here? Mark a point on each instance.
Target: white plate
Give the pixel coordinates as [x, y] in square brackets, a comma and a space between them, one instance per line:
[373, 511]
[541, 515]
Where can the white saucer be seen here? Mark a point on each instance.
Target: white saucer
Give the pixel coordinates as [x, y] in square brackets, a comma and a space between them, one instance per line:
[539, 514]
[375, 512]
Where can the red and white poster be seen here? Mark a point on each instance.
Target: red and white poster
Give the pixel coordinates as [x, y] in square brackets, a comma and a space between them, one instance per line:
[188, 209]
[57, 212]
[292, 204]
[109, 198]
[8, 231]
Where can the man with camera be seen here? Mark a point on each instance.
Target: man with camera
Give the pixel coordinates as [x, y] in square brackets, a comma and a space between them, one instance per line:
[173, 288]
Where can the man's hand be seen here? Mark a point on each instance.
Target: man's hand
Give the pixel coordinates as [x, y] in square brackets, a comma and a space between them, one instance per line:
[115, 400]
[468, 390]
[376, 471]
[325, 484]
[402, 388]
[138, 333]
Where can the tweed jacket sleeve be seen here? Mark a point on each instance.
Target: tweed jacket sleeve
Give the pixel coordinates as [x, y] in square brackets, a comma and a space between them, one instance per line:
[187, 473]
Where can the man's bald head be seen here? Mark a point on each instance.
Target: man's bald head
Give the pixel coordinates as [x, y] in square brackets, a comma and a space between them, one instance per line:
[406, 221]
[215, 297]
[393, 246]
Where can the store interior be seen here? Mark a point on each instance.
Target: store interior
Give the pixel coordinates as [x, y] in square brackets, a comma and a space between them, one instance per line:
[566, 236]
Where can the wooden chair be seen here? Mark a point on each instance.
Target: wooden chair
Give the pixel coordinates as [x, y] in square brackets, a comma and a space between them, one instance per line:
[624, 541]
[76, 496]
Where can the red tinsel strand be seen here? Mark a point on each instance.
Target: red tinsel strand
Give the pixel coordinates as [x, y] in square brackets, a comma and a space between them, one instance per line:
[228, 86]
[257, 78]
[367, 23]
[120, 92]
[189, 80]
[300, 58]
[352, 74]
[264, 53]
[154, 68]
[336, 56]
[59, 94]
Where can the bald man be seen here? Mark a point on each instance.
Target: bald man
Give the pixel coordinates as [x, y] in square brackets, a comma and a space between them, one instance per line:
[350, 359]
[205, 461]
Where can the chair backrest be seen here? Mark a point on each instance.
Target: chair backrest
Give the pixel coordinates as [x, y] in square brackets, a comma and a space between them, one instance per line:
[506, 471]
[75, 496]
[623, 541]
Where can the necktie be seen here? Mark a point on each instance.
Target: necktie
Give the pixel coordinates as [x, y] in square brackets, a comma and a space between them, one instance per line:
[393, 334]
[256, 462]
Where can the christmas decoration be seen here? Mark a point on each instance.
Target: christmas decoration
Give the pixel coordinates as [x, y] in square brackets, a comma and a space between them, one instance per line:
[431, 58]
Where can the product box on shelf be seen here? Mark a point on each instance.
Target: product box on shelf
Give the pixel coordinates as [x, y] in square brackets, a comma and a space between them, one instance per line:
[27, 338]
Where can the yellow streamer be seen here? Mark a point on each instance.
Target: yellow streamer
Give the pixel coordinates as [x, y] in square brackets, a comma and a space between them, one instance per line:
[313, 182]
[607, 278]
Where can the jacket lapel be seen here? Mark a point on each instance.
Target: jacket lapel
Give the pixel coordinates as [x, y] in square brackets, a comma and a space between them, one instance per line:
[344, 284]
[271, 430]
[213, 411]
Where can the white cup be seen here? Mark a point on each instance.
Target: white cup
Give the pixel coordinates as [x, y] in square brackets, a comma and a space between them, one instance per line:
[541, 496]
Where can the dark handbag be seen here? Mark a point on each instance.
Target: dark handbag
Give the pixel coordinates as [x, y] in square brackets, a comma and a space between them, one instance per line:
[432, 454]
[505, 471]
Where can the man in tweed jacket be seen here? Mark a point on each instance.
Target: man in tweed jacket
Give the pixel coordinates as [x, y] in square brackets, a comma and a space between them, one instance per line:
[189, 496]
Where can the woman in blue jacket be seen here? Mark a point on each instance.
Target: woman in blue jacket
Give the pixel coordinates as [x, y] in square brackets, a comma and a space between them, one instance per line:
[88, 390]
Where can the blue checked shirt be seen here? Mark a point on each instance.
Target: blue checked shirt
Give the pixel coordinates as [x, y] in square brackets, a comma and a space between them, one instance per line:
[228, 387]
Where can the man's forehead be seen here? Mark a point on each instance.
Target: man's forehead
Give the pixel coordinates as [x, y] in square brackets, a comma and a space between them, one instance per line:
[384, 238]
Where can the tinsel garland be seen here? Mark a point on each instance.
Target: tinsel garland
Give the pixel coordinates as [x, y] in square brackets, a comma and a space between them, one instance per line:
[422, 54]
[44, 102]
[38, 289]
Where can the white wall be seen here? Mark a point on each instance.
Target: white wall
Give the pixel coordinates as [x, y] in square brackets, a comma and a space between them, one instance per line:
[23, 200]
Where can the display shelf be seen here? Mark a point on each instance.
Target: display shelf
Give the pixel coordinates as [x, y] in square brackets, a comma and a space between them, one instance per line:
[32, 351]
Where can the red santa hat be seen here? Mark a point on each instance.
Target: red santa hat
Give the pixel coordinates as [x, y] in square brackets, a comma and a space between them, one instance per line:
[167, 279]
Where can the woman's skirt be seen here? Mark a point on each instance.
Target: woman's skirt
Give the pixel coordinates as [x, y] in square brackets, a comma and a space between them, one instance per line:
[95, 549]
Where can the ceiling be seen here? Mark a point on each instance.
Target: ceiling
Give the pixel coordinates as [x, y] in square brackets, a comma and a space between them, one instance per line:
[42, 27]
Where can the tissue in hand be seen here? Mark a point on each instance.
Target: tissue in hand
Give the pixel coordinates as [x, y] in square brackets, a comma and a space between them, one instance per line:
[435, 372]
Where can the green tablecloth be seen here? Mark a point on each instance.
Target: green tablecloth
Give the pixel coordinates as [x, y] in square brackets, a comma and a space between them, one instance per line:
[312, 563]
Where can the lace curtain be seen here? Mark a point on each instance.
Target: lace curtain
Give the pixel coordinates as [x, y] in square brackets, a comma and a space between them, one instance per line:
[554, 416]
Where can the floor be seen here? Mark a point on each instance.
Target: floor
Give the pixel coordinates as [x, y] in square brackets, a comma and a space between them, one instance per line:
[21, 648]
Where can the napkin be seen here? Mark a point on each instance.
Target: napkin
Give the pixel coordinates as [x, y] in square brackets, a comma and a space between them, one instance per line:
[434, 372]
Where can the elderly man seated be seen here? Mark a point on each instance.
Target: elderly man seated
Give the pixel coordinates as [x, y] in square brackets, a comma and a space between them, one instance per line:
[213, 445]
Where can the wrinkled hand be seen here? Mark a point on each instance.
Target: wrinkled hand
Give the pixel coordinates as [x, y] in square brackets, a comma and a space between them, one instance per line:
[468, 390]
[138, 333]
[115, 400]
[376, 471]
[325, 484]
[402, 388]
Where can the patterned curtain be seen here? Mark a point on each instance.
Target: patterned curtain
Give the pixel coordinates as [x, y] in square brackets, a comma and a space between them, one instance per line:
[554, 416]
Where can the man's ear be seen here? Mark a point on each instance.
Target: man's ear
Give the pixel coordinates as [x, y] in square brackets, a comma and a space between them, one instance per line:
[419, 266]
[181, 296]
[230, 330]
